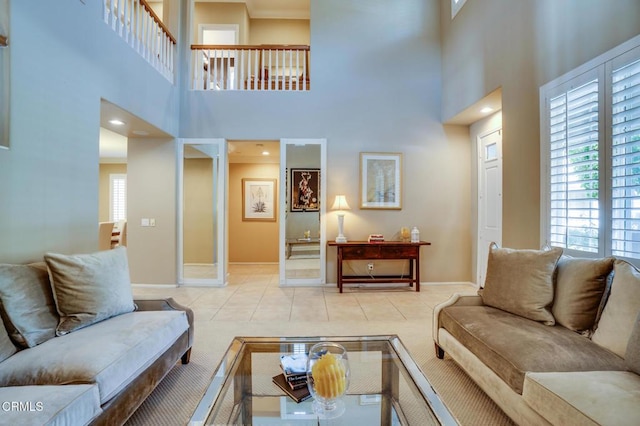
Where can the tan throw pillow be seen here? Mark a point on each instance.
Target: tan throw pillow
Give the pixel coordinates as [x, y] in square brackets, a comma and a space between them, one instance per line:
[89, 288]
[632, 355]
[580, 285]
[27, 304]
[622, 308]
[521, 281]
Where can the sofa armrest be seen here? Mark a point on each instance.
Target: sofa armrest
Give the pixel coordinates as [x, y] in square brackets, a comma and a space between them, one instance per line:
[167, 304]
[456, 299]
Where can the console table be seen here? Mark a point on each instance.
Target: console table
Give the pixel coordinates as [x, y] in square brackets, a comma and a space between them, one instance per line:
[385, 250]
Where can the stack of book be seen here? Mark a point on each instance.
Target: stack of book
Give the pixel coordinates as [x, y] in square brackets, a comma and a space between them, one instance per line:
[293, 379]
[376, 238]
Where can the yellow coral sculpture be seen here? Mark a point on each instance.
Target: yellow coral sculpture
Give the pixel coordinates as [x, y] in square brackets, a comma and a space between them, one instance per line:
[329, 376]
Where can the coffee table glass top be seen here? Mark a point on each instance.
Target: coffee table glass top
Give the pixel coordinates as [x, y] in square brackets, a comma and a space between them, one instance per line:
[386, 386]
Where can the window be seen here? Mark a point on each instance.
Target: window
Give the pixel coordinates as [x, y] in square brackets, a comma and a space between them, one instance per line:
[590, 159]
[456, 5]
[117, 197]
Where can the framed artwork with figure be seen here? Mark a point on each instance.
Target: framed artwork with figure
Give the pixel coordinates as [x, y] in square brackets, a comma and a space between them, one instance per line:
[259, 199]
[305, 190]
[381, 180]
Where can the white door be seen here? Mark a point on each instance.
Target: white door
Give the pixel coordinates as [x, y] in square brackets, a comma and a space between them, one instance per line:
[489, 197]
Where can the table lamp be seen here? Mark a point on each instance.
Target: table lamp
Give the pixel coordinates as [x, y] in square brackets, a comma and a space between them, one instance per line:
[340, 204]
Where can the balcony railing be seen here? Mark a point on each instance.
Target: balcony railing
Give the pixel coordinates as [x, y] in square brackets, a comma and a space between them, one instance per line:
[143, 30]
[252, 68]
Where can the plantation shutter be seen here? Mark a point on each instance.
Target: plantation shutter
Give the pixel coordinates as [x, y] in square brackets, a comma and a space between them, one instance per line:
[625, 121]
[118, 191]
[574, 213]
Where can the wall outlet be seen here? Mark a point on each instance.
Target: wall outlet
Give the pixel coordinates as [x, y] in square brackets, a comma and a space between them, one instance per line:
[370, 266]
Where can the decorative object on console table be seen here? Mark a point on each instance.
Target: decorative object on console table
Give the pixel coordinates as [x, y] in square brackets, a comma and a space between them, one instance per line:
[340, 204]
[259, 200]
[298, 395]
[381, 180]
[375, 238]
[383, 250]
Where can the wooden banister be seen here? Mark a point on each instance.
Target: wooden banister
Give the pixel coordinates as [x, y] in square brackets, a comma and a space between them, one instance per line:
[4, 41]
[157, 20]
[250, 47]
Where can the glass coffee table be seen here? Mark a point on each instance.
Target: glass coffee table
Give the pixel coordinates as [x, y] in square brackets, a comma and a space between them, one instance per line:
[386, 386]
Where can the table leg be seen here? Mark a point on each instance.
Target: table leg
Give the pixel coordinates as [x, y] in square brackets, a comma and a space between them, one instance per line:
[417, 265]
[340, 269]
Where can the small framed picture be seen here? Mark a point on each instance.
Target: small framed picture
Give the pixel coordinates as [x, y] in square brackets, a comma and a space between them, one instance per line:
[259, 199]
[305, 190]
[381, 180]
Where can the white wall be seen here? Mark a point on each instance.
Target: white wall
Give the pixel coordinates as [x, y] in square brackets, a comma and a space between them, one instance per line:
[64, 58]
[376, 86]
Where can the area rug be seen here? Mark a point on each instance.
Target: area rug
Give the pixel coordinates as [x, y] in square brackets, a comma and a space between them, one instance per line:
[177, 396]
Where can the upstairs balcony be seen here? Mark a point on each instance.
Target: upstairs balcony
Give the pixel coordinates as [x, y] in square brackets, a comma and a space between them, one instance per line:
[217, 67]
[251, 67]
[140, 27]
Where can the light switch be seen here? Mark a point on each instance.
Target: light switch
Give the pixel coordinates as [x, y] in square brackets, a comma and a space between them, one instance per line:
[144, 221]
[152, 221]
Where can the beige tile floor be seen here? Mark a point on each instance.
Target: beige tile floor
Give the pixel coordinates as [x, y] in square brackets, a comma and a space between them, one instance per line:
[253, 294]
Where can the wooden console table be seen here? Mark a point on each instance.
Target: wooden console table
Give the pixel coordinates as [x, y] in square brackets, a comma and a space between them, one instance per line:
[386, 250]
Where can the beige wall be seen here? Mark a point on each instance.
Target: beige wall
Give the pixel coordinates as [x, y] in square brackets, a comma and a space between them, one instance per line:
[198, 211]
[104, 185]
[519, 46]
[222, 13]
[251, 241]
[279, 31]
[151, 185]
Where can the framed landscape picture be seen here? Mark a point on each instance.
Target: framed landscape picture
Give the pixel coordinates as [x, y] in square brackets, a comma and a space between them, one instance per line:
[259, 199]
[381, 180]
[305, 190]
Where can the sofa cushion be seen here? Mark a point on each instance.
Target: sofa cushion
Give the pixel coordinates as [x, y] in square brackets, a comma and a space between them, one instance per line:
[110, 353]
[521, 281]
[49, 405]
[7, 348]
[27, 304]
[619, 314]
[89, 288]
[585, 398]
[511, 345]
[580, 285]
[632, 355]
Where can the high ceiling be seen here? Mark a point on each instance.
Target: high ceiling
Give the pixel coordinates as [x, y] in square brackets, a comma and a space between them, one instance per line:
[272, 9]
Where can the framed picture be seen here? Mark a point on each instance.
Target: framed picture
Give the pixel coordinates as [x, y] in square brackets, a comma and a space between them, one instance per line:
[259, 199]
[305, 190]
[381, 180]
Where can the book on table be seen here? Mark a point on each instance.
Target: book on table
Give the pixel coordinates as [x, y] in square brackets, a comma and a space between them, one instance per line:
[298, 395]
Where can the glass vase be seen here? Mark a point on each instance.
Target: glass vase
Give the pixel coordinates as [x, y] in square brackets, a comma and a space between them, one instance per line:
[328, 378]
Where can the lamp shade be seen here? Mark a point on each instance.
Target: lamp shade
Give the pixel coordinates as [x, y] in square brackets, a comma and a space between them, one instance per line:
[340, 203]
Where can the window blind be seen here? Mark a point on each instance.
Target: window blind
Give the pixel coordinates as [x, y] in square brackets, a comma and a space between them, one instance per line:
[574, 175]
[118, 197]
[625, 193]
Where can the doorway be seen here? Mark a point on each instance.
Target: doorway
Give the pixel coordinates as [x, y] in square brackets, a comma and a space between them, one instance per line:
[489, 197]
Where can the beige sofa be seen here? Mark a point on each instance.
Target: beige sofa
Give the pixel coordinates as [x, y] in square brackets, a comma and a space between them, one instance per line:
[75, 348]
[551, 340]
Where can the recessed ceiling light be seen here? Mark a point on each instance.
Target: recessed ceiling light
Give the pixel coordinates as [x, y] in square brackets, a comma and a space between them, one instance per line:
[486, 110]
[116, 122]
[265, 152]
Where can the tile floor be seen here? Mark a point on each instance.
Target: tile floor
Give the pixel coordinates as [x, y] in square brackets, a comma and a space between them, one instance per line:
[253, 294]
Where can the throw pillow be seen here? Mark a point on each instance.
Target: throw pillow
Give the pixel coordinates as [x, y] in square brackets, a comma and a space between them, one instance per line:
[580, 285]
[27, 305]
[89, 288]
[632, 355]
[622, 308]
[521, 282]
[7, 347]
